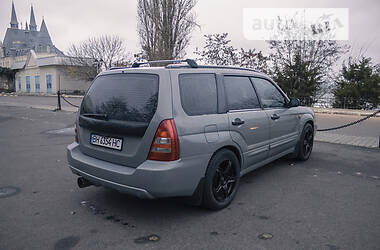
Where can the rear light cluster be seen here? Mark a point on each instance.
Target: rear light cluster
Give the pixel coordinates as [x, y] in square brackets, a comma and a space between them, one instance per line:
[76, 132]
[165, 145]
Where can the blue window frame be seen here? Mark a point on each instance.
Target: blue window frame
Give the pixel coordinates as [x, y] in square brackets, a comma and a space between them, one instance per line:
[27, 79]
[48, 83]
[19, 83]
[37, 81]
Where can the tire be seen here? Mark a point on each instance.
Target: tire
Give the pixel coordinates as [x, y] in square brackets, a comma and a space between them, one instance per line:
[221, 181]
[305, 144]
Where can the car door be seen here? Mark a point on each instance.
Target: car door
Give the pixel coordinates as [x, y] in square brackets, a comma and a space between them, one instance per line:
[284, 121]
[248, 122]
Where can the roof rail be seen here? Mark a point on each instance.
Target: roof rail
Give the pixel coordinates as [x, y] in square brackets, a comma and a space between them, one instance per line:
[226, 67]
[190, 62]
[112, 68]
[215, 67]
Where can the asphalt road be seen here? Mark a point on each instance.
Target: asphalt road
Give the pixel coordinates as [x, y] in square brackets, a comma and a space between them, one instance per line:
[330, 202]
[44, 102]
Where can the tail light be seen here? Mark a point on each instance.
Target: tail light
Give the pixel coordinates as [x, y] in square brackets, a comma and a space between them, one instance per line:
[76, 132]
[165, 145]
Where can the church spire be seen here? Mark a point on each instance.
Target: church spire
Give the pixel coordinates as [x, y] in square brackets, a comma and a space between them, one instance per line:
[14, 22]
[32, 23]
[43, 27]
[44, 33]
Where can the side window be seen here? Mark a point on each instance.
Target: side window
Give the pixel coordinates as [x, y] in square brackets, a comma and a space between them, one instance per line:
[269, 95]
[48, 83]
[240, 93]
[19, 83]
[198, 93]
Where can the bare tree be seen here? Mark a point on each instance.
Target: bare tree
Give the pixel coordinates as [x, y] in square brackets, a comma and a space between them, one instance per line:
[95, 53]
[219, 51]
[252, 59]
[164, 27]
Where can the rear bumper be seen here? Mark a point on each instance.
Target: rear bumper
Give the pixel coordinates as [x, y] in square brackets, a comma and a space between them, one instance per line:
[151, 179]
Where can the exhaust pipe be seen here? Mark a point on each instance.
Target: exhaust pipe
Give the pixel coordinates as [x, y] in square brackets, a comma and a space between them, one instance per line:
[82, 182]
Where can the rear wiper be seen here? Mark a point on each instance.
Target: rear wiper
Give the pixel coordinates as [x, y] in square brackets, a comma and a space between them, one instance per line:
[96, 116]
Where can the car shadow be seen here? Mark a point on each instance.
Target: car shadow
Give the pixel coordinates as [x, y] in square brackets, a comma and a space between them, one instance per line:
[119, 207]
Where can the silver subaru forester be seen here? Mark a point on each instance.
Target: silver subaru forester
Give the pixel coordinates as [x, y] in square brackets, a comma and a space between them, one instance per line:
[184, 130]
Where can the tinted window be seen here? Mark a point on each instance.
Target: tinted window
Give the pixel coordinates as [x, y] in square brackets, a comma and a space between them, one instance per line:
[269, 95]
[240, 93]
[125, 97]
[198, 93]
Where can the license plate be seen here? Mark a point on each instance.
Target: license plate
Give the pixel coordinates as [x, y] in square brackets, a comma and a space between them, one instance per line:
[105, 141]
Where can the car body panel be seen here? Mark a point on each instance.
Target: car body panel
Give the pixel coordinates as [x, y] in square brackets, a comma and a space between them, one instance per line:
[257, 142]
[252, 136]
[135, 148]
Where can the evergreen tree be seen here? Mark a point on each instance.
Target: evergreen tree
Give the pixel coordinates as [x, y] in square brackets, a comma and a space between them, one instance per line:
[303, 68]
[359, 84]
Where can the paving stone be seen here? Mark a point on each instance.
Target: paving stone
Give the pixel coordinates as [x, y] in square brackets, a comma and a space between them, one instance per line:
[369, 142]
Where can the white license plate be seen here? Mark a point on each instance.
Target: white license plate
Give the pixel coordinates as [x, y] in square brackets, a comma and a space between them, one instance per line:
[105, 141]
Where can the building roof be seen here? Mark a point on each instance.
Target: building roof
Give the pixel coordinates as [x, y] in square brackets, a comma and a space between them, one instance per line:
[18, 42]
[55, 60]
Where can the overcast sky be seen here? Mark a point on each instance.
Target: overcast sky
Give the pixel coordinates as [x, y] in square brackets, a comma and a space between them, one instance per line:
[71, 21]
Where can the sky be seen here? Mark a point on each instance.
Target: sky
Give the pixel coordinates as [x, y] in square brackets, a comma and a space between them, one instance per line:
[72, 21]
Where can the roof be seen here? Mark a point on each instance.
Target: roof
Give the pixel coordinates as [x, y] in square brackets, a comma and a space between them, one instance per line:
[190, 64]
[186, 69]
[18, 42]
[34, 61]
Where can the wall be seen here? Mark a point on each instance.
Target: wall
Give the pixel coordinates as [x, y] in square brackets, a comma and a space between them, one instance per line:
[37, 71]
[70, 84]
[60, 80]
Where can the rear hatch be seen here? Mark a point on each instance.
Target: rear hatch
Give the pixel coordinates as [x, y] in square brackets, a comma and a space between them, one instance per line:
[116, 120]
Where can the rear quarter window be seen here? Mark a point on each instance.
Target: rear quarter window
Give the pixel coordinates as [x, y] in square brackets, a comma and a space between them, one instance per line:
[198, 93]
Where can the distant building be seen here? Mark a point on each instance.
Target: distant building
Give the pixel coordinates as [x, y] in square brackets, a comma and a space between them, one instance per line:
[18, 42]
[46, 75]
[41, 67]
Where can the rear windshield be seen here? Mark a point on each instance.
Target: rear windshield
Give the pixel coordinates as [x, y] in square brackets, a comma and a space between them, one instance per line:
[124, 97]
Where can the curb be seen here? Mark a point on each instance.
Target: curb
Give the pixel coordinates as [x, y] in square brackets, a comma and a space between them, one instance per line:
[353, 112]
[37, 94]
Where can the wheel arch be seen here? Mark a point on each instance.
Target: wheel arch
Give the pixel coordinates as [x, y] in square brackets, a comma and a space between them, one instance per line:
[234, 150]
[310, 121]
[306, 118]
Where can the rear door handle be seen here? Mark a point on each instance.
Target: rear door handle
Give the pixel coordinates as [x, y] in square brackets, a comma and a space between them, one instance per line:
[237, 122]
[275, 117]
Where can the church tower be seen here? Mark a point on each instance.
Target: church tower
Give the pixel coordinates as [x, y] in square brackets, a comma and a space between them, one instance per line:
[18, 41]
[14, 22]
[32, 22]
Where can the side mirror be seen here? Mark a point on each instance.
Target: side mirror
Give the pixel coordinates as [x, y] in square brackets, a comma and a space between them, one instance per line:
[294, 102]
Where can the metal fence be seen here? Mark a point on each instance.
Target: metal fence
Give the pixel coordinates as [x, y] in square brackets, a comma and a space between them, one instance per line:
[343, 103]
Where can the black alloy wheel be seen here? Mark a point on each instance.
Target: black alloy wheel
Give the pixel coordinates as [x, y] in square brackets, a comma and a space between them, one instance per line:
[221, 180]
[308, 142]
[224, 181]
[305, 145]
